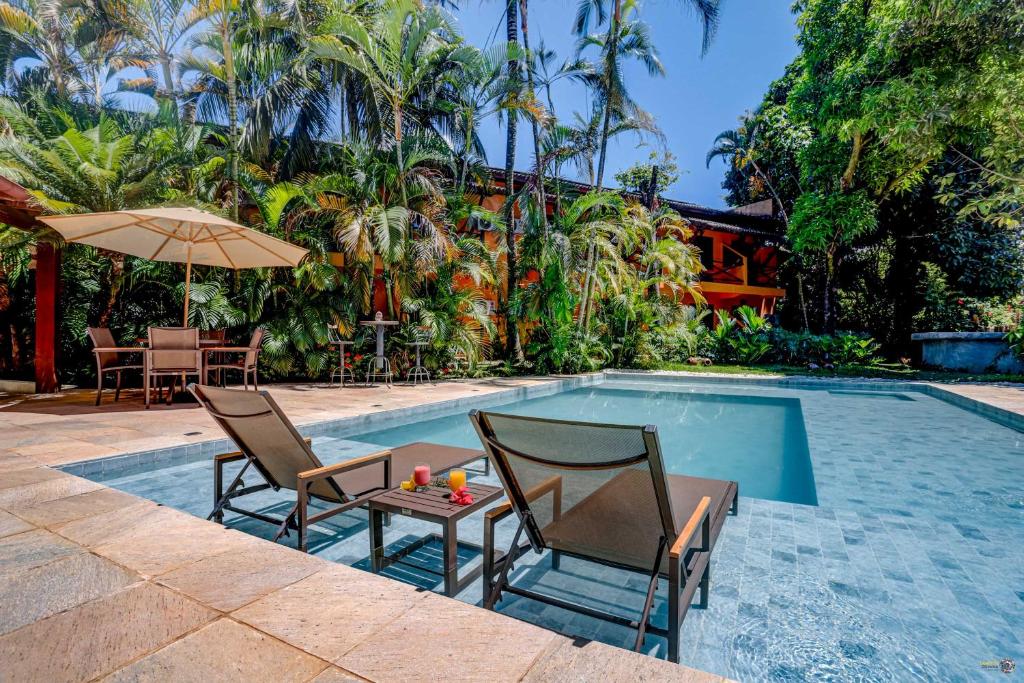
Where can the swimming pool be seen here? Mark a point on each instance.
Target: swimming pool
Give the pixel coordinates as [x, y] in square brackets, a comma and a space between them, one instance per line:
[758, 441]
[909, 566]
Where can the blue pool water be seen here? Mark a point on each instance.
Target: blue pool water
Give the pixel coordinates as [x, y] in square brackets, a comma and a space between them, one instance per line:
[880, 534]
[758, 441]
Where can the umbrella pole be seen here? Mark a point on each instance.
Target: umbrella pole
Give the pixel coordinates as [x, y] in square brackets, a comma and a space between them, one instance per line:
[188, 282]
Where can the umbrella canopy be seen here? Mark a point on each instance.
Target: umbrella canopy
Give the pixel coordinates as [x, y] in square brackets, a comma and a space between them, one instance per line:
[175, 235]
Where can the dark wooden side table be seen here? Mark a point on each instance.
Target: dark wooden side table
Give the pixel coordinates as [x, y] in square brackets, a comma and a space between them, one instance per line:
[431, 505]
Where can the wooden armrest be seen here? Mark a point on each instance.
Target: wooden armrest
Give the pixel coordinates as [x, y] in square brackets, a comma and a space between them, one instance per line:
[224, 349]
[229, 457]
[550, 484]
[330, 470]
[498, 512]
[239, 455]
[685, 538]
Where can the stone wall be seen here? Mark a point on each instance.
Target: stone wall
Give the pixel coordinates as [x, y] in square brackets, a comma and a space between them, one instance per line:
[969, 351]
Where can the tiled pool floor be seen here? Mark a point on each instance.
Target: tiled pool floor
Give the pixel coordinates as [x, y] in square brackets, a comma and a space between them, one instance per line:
[910, 567]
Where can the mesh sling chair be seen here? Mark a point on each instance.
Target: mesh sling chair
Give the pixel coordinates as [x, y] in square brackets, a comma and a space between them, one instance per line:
[600, 493]
[269, 443]
[111, 358]
[173, 352]
[247, 359]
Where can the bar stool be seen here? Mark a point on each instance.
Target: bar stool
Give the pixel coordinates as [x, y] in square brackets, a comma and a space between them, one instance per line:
[334, 337]
[418, 373]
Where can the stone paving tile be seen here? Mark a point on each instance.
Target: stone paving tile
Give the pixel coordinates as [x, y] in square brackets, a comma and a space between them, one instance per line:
[582, 662]
[24, 477]
[31, 549]
[229, 580]
[57, 512]
[335, 675]
[332, 611]
[27, 596]
[99, 636]
[168, 539]
[97, 529]
[9, 524]
[42, 491]
[222, 651]
[444, 635]
[10, 461]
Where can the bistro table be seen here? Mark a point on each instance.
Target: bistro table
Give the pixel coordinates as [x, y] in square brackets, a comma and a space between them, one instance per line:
[431, 505]
[379, 365]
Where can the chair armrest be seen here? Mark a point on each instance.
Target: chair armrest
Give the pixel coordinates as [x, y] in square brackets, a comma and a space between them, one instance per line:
[330, 470]
[552, 484]
[698, 520]
[119, 349]
[239, 455]
[226, 349]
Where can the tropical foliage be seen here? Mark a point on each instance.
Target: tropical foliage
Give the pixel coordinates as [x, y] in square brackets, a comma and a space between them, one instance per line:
[353, 130]
[894, 146]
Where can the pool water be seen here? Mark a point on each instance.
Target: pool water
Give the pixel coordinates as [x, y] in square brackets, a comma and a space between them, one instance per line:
[880, 534]
[758, 441]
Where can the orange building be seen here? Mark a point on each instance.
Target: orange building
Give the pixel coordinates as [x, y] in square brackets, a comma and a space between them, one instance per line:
[739, 248]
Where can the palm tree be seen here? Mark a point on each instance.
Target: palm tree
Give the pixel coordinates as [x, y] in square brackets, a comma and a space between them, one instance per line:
[160, 27]
[515, 349]
[626, 39]
[738, 147]
[479, 90]
[402, 52]
[280, 94]
[220, 15]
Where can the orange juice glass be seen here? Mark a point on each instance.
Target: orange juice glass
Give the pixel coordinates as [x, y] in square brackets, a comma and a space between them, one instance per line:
[456, 479]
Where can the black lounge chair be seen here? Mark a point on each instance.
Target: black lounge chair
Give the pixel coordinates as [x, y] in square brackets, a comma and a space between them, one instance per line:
[600, 493]
[269, 443]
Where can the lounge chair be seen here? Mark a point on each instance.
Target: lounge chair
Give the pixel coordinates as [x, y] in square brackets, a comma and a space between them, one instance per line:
[600, 493]
[269, 443]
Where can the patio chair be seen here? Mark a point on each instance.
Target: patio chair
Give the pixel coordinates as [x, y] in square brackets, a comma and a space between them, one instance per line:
[600, 493]
[111, 358]
[173, 352]
[247, 362]
[270, 444]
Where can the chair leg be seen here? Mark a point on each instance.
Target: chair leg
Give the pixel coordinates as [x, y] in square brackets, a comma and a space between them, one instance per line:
[705, 584]
[675, 586]
[649, 600]
[556, 560]
[303, 500]
[255, 380]
[117, 390]
[506, 566]
[99, 386]
[221, 499]
[145, 387]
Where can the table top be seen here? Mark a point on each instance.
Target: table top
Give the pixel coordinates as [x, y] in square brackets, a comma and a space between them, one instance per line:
[433, 504]
[378, 322]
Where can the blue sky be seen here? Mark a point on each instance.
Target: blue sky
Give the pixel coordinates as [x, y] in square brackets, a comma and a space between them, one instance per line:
[697, 99]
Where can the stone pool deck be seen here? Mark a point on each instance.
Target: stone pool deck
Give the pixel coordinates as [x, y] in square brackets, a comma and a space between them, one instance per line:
[99, 584]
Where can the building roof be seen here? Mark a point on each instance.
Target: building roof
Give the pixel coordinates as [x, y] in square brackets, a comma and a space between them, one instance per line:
[741, 221]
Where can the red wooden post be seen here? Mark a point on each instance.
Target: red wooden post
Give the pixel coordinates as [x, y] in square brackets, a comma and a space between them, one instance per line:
[47, 297]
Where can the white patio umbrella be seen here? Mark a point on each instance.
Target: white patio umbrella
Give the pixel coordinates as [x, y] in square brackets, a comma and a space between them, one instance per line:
[176, 235]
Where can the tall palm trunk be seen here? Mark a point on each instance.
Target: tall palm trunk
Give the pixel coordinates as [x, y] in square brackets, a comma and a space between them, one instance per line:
[165, 65]
[611, 47]
[515, 350]
[539, 166]
[398, 153]
[229, 71]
